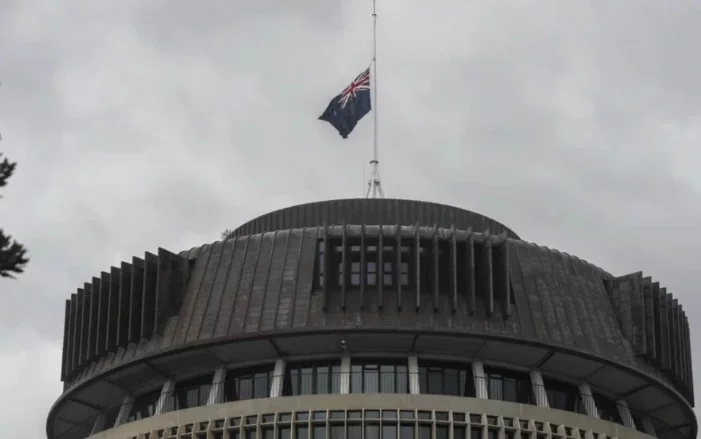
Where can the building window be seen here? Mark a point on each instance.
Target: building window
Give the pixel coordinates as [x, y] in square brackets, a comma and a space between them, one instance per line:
[312, 379]
[247, 384]
[379, 377]
[192, 393]
[387, 274]
[509, 386]
[355, 274]
[145, 405]
[563, 396]
[446, 379]
[608, 410]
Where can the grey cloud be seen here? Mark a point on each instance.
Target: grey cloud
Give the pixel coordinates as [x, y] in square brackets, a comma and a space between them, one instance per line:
[145, 124]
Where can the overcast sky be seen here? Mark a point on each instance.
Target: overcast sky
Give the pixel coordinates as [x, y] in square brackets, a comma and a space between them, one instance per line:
[139, 124]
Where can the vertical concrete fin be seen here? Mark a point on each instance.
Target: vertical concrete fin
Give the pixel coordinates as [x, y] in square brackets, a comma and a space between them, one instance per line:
[470, 269]
[124, 304]
[656, 306]
[113, 310]
[101, 290]
[664, 327]
[171, 277]
[454, 268]
[487, 272]
[92, 321]
[689, 360]
[380, 267]
[66, 332]
[417, 253]
[363, 266]
[637, 304]
[435, 281]
[505, 275]
[344, 265]
[148, 299]
[75, 337]
[322, 260]
[398, 273]
[85, 331]
[649, 317]
[192, 291]
[136, 298]
[675, 336]
[80, 329]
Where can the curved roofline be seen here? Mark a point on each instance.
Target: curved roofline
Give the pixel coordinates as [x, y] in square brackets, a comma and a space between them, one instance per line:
[312, 212]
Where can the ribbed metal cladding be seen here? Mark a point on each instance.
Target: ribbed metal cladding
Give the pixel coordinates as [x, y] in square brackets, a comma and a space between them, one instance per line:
[372, 211]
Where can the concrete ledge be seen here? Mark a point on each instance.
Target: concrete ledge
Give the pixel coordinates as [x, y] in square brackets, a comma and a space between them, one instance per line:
[371, 401]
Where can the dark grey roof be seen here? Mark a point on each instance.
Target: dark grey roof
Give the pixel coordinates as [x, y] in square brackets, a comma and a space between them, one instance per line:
[372, 211]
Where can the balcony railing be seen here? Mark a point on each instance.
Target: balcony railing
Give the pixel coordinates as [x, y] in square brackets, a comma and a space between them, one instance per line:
[251, 387]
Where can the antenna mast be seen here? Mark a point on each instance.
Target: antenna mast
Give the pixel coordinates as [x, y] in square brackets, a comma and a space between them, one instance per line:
[374, 186]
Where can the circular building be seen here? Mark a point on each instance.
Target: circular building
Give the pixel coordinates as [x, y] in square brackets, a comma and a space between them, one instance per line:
[372, 319]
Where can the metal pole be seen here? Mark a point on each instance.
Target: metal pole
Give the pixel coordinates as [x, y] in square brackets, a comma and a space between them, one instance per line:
[374, 186]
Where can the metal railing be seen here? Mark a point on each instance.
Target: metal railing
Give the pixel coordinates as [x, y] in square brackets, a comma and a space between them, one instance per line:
[238, 388]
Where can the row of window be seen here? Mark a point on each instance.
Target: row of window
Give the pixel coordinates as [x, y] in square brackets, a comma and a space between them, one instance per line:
[351, 424]
[455, 379]
[403, 263]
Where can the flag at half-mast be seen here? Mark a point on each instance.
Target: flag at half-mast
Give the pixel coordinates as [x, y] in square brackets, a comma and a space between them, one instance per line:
[347, 108]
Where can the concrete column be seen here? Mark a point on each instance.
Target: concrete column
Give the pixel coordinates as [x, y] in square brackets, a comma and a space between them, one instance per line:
[164, 404]
[345, 374]
[414, 374]
[278, 378]
[480, 380]
[99, 424]
[624, 411]
[588, 400]
[648, 428]
[124, 411]
[216, 392]
[541, 396]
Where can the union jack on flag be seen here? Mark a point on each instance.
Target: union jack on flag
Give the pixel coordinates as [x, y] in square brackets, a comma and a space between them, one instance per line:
[347, 108]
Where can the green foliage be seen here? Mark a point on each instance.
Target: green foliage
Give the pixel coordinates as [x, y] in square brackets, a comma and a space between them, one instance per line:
[13, 255]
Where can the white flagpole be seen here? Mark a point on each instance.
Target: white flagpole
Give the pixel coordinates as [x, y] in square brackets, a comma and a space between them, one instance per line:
[374, 186]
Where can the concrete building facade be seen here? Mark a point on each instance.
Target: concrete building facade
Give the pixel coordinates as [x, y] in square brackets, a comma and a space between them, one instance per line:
[373, 319]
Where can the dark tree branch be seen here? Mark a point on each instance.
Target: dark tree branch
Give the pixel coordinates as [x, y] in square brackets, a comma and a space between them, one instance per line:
[13, 255]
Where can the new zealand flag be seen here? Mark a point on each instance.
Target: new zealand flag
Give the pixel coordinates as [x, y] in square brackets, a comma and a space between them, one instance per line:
[346, 109]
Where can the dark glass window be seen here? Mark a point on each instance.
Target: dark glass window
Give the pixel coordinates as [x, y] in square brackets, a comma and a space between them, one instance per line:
[283, 432]
[608, 410]
[379, 377]
[355, 273]
[312, 378]
[336, 431]
[424, 431]
[248, 383]
[354, 431]
[372, 431]
[563, 396]
[446, 379]
[441, 431]
[191, 393]
[319, 431]
[509, 386]
[302, 432]
[460, 432]
[389, 431]
[144, 405]
[406, 431]
[387, 279]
